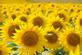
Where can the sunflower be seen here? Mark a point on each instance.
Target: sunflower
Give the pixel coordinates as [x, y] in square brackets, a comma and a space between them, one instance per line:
[22, 18]
[37, 19]
[70, 39]
[37, 7]
[78, 21]
[14, 14]
[29, 39]
[51, 37]
[4, 11]
[8, 29]
[56, 23]
[4, 50]
[63, 15]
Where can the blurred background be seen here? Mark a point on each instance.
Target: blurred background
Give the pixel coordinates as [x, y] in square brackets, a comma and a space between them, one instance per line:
[25, 1]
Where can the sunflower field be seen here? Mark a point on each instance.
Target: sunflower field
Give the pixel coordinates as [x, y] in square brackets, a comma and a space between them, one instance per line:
[41, 29]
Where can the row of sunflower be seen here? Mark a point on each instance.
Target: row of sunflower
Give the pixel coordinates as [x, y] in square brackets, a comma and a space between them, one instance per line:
[40, 29]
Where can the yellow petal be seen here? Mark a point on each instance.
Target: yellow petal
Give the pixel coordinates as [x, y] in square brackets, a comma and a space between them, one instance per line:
[77, 52]
[71, 52]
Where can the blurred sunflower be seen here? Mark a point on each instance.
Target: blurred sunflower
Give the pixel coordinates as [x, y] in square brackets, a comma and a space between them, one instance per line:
[56, 23]
[71, 38]
[30, 40]
[51, 37]
[14, 14]
[37, 19]
[8, 29]
[37, 7]
[22, 18]
[78, 21]
[63, 15]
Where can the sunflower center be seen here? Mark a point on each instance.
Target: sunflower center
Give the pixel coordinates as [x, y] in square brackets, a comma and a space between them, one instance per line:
[62, 16]
[81, 22]
[57, 24]
[0, 52]
[38, 21]
[73, 39]
[23, 19]
[12, 29]
[51, 37]
[30, 38]
[13, 16]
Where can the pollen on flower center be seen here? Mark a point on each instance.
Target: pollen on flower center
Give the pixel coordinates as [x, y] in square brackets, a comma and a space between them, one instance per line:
[51, 37]
[57, 24]
[30, 38]
[11, 29]
[73, 39]
[81, 22]
[38, 21]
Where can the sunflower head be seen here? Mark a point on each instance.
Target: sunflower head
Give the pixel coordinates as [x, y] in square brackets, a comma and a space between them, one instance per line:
[8, 29]
[31, 38]
[51, 37]
[71, 38]
[37, 19]
[22, 18]
[63, 15]
[56, 23]
[78, 22]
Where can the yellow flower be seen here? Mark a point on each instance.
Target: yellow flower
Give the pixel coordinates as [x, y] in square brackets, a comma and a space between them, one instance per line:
[37, 7]
[78, 22]
[56, 23]
[70, 39]
[63, 15]
[22, 18]
[8, 29]
[37, 19]
[30, 40]
[51, 37]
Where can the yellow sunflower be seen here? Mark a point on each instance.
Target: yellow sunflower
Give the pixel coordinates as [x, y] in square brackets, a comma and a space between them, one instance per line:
[70, 39]
[56, 23]
[78, 21]
[8, 29]
[63, 15]
[19, 8]
[37, 7]
[14, 15]
[37, 19]
[4, 11]
[22, 18]
[4, 50]
[30, 40]
[51, 37]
